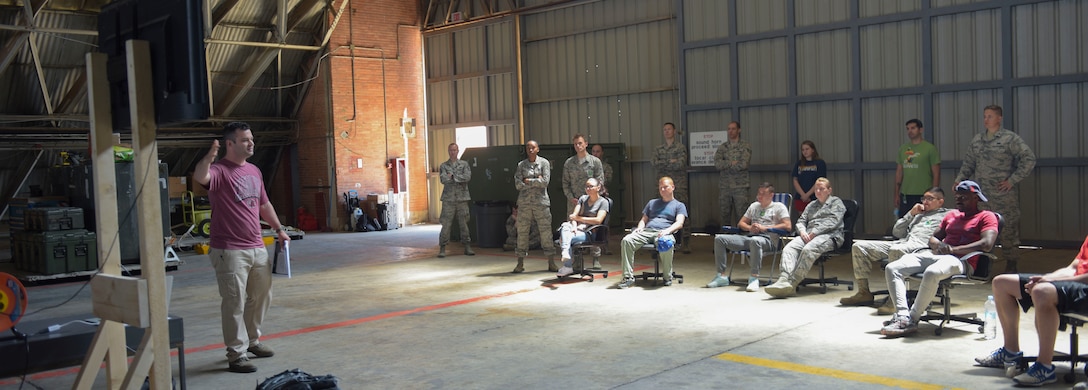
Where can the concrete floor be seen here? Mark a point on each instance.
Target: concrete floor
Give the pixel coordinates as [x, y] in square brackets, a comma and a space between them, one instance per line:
[379, 310]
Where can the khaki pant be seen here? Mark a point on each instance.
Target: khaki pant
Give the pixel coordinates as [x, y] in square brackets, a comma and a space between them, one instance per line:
[245, 285]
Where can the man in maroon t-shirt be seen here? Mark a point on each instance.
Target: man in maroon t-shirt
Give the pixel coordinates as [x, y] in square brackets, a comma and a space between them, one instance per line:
[1064, 290]
[962, 231]
[238, 253]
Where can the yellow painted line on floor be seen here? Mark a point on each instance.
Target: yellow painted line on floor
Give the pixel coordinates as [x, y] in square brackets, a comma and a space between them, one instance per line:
[828, 372]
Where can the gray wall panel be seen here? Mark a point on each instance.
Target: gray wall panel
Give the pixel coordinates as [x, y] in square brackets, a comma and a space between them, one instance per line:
[764, 127]
[891, 55]
[438, 52]
[708, 120]
[967, 47]
[503, 99]
[883, 124]
[440, 103]
[471, 99]
[763, 69]
[707, 19]
[754, 16]
[947, 3]
[500, 45]
[711, 64]
[810, 12]
[957, 116]
[824, 63]
[1052, 119]
[1047, 38]
[470, 50]
[830, 126]
[870, 8]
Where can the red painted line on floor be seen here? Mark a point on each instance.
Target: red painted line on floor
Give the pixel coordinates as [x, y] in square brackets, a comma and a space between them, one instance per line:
[334, 325]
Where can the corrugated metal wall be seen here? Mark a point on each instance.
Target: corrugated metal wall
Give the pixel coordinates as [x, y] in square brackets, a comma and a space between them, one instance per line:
[846, 74]
[849, 79]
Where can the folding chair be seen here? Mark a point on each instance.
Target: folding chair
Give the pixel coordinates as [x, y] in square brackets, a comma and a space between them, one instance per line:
[849, 220]
[786, 199]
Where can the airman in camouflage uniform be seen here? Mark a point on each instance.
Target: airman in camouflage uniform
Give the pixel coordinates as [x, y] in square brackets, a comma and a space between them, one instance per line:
[512, 233]
[534, 207]
[671, 159]
[577, 169]
[598, 152]
[732, 159]
[997, 160]
[912, 232]
[454, 175]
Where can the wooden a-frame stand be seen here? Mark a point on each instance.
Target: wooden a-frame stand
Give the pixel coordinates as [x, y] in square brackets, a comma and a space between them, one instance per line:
[120, 300]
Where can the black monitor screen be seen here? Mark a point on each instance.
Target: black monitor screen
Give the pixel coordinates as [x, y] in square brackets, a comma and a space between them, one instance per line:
[174, 30]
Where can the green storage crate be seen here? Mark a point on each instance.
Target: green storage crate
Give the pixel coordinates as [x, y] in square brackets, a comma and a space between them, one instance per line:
[60, 251]
[46, 219]
[85, 256]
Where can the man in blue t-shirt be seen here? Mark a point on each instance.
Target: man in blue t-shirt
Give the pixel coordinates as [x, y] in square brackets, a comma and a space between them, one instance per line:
[660, 219]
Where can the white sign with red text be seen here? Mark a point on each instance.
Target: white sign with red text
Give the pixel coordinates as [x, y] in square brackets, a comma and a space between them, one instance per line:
[703, 145]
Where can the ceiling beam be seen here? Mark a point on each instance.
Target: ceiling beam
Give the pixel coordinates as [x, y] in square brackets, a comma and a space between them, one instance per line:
[221, 11]
[75, 91]
[256, 65]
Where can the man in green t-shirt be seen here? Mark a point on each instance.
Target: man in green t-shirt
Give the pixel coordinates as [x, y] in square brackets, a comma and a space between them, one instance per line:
[917, 168]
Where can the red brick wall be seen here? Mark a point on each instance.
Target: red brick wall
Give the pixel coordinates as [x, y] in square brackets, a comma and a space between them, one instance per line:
[364, 122]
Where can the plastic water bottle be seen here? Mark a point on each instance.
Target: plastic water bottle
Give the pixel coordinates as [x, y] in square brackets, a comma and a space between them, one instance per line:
[989, 315]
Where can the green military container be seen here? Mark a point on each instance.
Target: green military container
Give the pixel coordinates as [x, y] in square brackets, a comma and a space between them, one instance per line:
[59, 251]
[47, 219]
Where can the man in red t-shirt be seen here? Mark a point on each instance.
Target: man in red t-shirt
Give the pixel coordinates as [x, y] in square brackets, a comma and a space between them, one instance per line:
[963, 230]
[1061, 291]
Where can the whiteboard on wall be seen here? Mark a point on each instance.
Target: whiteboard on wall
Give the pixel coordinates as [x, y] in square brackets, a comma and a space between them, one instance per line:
[702, 146]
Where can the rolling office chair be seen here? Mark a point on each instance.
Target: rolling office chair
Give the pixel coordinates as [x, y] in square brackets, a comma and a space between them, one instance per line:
[972, 275]
[781, 197]
[597, 244]
[849, 219]
[657, 274]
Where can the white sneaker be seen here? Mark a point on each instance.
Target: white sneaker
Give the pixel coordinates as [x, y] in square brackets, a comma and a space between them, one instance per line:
[753, 285]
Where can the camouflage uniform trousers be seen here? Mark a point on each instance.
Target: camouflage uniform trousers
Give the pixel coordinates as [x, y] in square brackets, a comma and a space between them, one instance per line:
[733, 202]
[798, 257]
[454, 209]
[1008, 205]
[866, 252]
[538, 215]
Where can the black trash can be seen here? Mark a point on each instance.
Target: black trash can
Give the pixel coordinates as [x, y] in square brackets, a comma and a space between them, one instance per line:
[490, 219]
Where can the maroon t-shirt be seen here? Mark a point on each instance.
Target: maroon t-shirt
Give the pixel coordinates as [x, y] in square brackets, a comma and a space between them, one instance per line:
[236, 193]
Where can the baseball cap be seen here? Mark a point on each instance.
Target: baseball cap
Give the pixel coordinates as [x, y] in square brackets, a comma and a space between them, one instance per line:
[970, 186]
[665, 243]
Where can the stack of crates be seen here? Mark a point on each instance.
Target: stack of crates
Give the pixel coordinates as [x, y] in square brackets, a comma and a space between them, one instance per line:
[54, 242]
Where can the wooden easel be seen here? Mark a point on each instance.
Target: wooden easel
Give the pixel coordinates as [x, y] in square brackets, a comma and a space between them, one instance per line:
[120, 300]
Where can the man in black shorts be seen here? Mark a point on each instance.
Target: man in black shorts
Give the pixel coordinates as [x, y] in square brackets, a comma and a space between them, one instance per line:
[1061, 291]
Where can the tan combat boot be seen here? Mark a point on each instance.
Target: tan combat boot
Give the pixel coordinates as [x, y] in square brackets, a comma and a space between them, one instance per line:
[862, 297]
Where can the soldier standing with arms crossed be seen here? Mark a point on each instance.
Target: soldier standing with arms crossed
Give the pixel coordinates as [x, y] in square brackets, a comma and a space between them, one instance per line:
[531, 180]
[454, 175]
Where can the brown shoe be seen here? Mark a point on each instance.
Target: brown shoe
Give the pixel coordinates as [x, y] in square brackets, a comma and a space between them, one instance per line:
[261, 351]
[241, 365]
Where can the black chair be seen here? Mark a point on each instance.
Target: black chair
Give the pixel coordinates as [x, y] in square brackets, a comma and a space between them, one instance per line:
[971, 276]
[657, 274]
[1070, 321]
[849, 219]
[597, 244]
[780, 197]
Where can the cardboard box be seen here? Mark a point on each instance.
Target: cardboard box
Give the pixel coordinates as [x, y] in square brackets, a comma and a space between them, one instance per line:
[377, 198]
[196, 188]
[177, 185]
